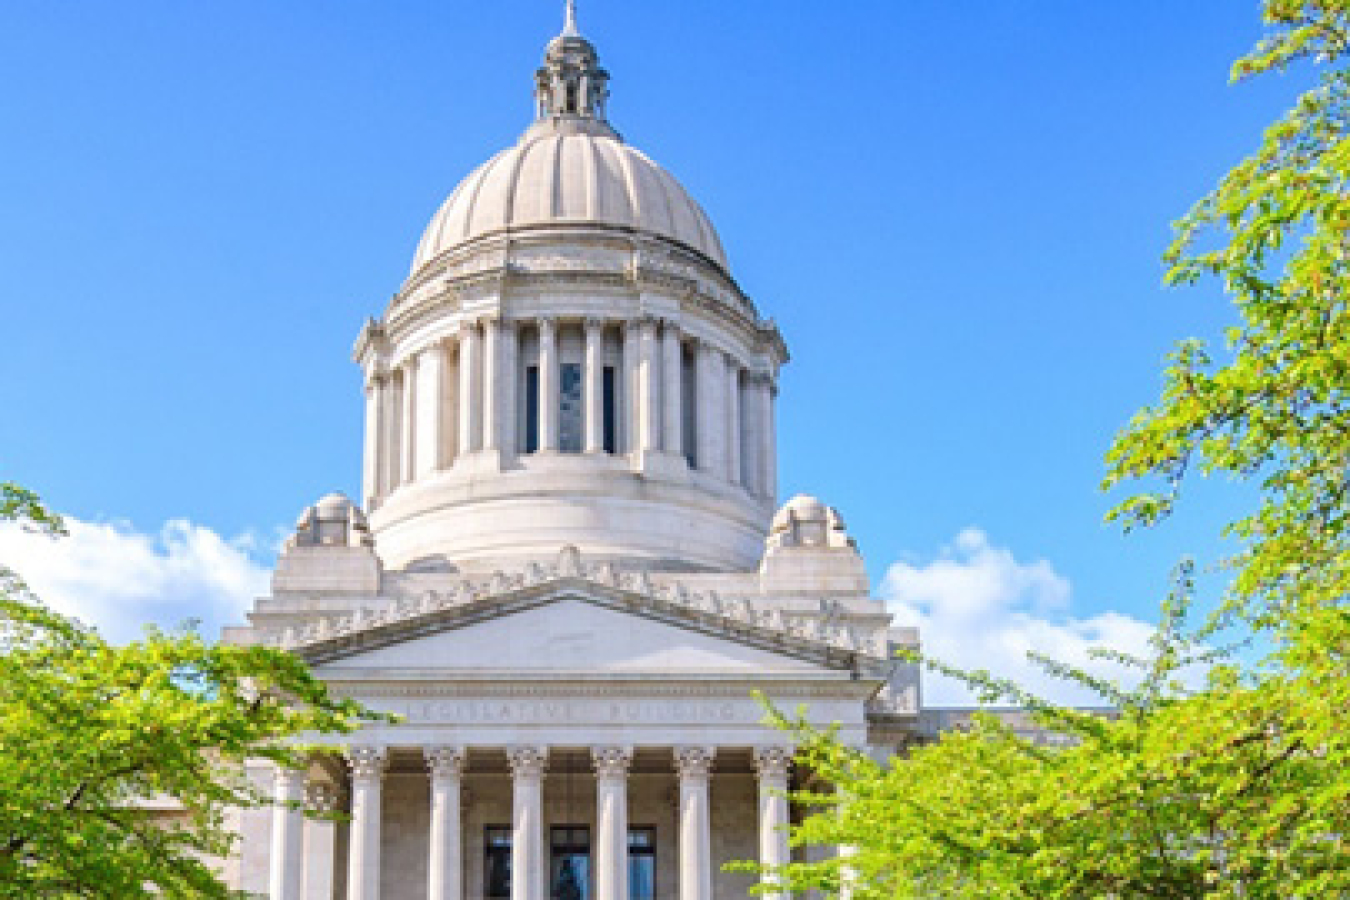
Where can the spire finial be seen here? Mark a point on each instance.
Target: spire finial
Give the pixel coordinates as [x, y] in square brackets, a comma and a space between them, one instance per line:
[570, 20]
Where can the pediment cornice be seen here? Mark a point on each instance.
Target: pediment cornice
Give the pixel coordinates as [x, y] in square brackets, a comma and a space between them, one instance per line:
[471, 601]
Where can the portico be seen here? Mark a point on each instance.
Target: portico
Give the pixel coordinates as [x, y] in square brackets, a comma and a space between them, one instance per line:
[619, 797]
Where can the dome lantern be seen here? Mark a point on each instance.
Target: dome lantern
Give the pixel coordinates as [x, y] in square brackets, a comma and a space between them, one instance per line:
[570, 86]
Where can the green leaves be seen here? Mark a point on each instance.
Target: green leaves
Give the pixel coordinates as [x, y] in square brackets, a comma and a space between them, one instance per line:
[1240, 788]
[118, 765]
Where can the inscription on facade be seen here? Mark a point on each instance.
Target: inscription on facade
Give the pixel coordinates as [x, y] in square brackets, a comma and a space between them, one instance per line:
[550, 711]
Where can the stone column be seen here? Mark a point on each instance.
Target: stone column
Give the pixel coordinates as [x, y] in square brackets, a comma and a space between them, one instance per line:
[370, 469]
[772, 764]
[528, 880]
[288, 820]
[320, 842]
[760, 421]
[508, 369]
[632, 410]
[750, 437]
[848, 876]
[445, 879]
[491, 384]
[708, 411]
[694, 765]
[611, 821]
[649, 387]
[672, 377]
[363, 846]
[370, 487]
[470, 390]
[428, 430]
[733, 423]
[593, 387]
[407, 440]
[548, 386]
[392, 455]
[770, 439]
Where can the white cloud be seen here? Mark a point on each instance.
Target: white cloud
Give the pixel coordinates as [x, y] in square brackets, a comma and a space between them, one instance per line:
[978, 607]
[119, 580]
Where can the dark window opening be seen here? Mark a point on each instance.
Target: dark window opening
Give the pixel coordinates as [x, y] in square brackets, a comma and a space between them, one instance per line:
[497, 862]
[689, 404]
[569, 868]
[572, 99]
[569, 408]
[610, 410]
[532, 409]
[642, 863]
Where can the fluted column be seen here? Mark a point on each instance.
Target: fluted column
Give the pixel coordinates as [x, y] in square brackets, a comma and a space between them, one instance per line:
[611, 821]
[763, 433]
[371, 471]
[363, 846]
[649, 387]
[429, 404]
[527, 822]
[694, 765]
[288, 820]
[507, 369]
[710, 384]
[491, 384]
[772, 764]
[672, 376]
[848, 876]
[391, 431]
[548, 385]
[770, 439]
[445, 880]
[733, 423]
[751, 444]
[593, 393]
[470, 390]
[630, 439]
[320, 843]
[407, 419]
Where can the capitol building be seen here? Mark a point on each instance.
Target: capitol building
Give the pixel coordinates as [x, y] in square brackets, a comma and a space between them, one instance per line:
[568, 570]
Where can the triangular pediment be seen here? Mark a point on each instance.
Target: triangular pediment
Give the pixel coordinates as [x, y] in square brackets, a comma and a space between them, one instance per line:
[574, 634]
[580, 623]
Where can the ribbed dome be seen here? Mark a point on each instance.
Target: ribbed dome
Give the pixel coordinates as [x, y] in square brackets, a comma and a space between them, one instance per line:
[558, 176]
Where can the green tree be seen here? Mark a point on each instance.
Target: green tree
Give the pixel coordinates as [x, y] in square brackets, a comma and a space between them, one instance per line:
[88, 731]
[1242, 787]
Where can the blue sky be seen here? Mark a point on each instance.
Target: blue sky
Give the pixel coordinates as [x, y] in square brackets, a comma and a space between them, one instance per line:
[954, 210]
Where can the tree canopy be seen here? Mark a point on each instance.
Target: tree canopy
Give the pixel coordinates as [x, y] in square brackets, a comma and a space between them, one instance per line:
[91, 732]
[1240, 788]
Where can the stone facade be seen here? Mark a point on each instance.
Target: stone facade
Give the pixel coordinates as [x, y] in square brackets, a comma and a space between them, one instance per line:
[568, 573]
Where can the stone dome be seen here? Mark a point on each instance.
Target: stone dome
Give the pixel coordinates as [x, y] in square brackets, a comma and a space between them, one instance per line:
[561, 175]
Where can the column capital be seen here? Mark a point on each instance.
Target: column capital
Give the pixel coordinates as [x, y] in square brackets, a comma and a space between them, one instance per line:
[321, 797]
[647, 322]
[773, 762]
[546, 323]
[694, 762]
[367, 761]
[593, 323]
[611, 762]
[446, 760]
[527, 760]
